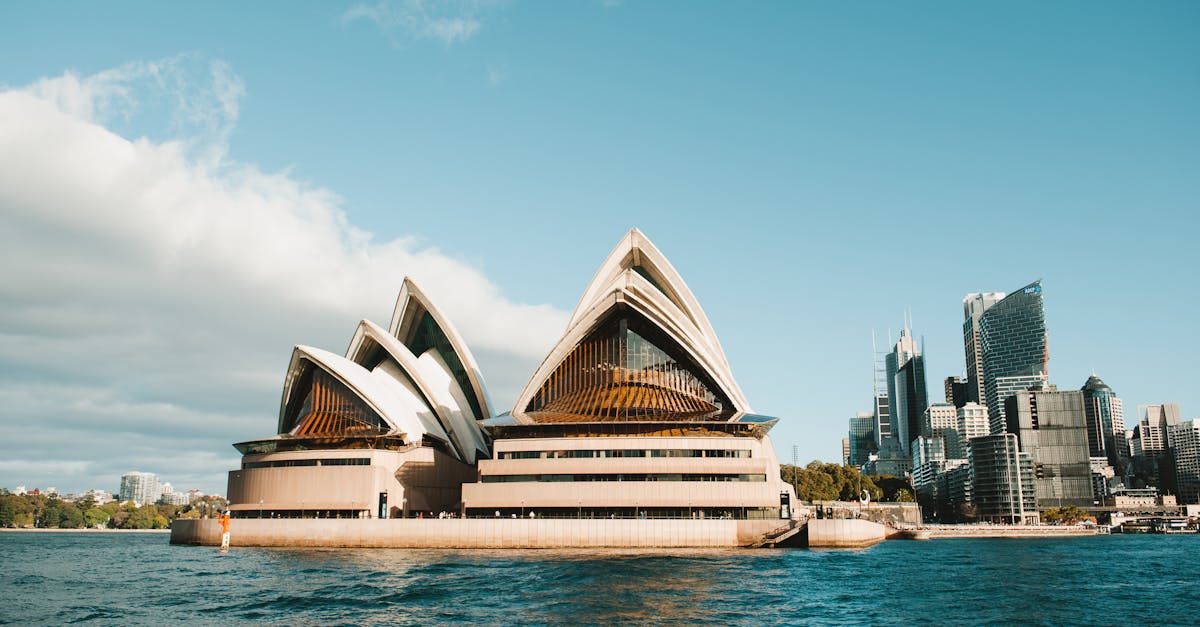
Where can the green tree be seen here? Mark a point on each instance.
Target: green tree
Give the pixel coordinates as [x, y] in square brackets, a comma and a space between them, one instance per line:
[86, 503]
[894, 488]
[143, 518]
[8, 509]
[69, 516]
[1067, 515]
[50, 514]
[96, 516]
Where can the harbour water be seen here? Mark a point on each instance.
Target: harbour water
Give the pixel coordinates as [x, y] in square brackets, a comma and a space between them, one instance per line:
[114, 578]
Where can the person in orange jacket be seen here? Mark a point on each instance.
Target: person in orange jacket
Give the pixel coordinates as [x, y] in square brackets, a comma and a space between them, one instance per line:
[224, 518]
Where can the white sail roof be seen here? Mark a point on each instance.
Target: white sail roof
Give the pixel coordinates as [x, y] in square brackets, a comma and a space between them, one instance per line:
[637, 276]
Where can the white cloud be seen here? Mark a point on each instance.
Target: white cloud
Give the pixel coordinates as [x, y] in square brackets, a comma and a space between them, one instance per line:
[446, 21]
[152, 288]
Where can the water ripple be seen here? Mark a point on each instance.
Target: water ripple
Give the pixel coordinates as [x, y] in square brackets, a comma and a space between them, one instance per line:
[140, 579]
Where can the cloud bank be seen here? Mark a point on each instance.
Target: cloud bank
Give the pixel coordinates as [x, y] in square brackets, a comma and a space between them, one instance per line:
[152, 288]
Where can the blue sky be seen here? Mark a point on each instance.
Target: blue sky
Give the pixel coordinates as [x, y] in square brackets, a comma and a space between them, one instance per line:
[812, 169]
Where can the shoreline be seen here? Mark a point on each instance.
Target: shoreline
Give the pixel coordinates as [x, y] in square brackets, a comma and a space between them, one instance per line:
[57, 530]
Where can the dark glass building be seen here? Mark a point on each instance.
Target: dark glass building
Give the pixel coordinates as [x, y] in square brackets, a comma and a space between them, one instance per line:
[862, 438]
[1105, 421]
[956, 391]
[1012, 339]
[907, 395]
[1050, 426]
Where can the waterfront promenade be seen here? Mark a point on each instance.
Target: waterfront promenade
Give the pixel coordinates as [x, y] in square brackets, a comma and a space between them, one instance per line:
[1008, 531]
[476, 533]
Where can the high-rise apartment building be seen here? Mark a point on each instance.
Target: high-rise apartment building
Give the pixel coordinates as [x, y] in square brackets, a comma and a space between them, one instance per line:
[941, 421]
[845, 451]
[972, 423]
[1051, 427]
[928, 461]
[1105, 420]
[973, 307]
[1185, 445]
[907, 395]
[861, 442]
[140, 487]
[1002, 487]
[1002, 481]
[1012, 338]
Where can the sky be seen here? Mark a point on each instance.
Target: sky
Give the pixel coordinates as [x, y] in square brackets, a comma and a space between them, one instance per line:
[189, 190]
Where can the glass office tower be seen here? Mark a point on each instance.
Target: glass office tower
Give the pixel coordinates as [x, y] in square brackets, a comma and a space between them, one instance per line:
[1012, 339]
[1105, 421]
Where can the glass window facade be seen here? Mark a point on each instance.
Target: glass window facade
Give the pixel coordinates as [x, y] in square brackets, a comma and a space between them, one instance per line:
[328, 408]
[603, 453]
[627, 369]
[579, 477]
[1012, 338]
[290, 463]
[425, 335]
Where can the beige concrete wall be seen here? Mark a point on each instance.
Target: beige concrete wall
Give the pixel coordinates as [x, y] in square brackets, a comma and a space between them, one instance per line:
[844, 533]
[418, 479]
[476, 533]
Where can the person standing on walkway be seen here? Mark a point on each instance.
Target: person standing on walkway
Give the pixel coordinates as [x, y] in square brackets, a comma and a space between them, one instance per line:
[224, 518]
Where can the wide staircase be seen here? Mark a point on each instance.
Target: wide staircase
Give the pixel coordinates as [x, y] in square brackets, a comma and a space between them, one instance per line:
[781, 536]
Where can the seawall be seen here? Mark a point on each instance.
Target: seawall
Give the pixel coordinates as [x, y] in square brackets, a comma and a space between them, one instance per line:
[475, 533]
[844, 533]
[1007, 531]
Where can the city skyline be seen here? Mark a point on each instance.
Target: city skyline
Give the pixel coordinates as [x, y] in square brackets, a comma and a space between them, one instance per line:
[210, 210]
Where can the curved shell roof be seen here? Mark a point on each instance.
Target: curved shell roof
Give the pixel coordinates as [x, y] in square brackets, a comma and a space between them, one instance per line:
[671, 367]
[419, 379]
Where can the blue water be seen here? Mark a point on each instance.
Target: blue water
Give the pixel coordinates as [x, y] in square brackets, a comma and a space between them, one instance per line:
[124, 579]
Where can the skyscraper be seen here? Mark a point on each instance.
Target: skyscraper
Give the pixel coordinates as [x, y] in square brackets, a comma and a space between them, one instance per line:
[1002, 480]
[1185, 445]
[1105, 420]
[1051, 427]
[907, 396]
[972, 423]
[862, 438]
[941, 421]
[1150, 437]
[973, 307]
[1012, 339]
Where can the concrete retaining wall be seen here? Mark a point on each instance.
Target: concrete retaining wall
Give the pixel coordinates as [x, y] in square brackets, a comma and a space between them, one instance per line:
[475, 533]
[1007, 531]
[843, 533]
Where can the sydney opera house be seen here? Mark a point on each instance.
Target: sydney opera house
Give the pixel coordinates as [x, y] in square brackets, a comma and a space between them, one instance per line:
[634, 414]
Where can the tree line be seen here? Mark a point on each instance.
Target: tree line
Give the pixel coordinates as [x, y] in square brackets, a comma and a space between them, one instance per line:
[819, 481]
[49, 512]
